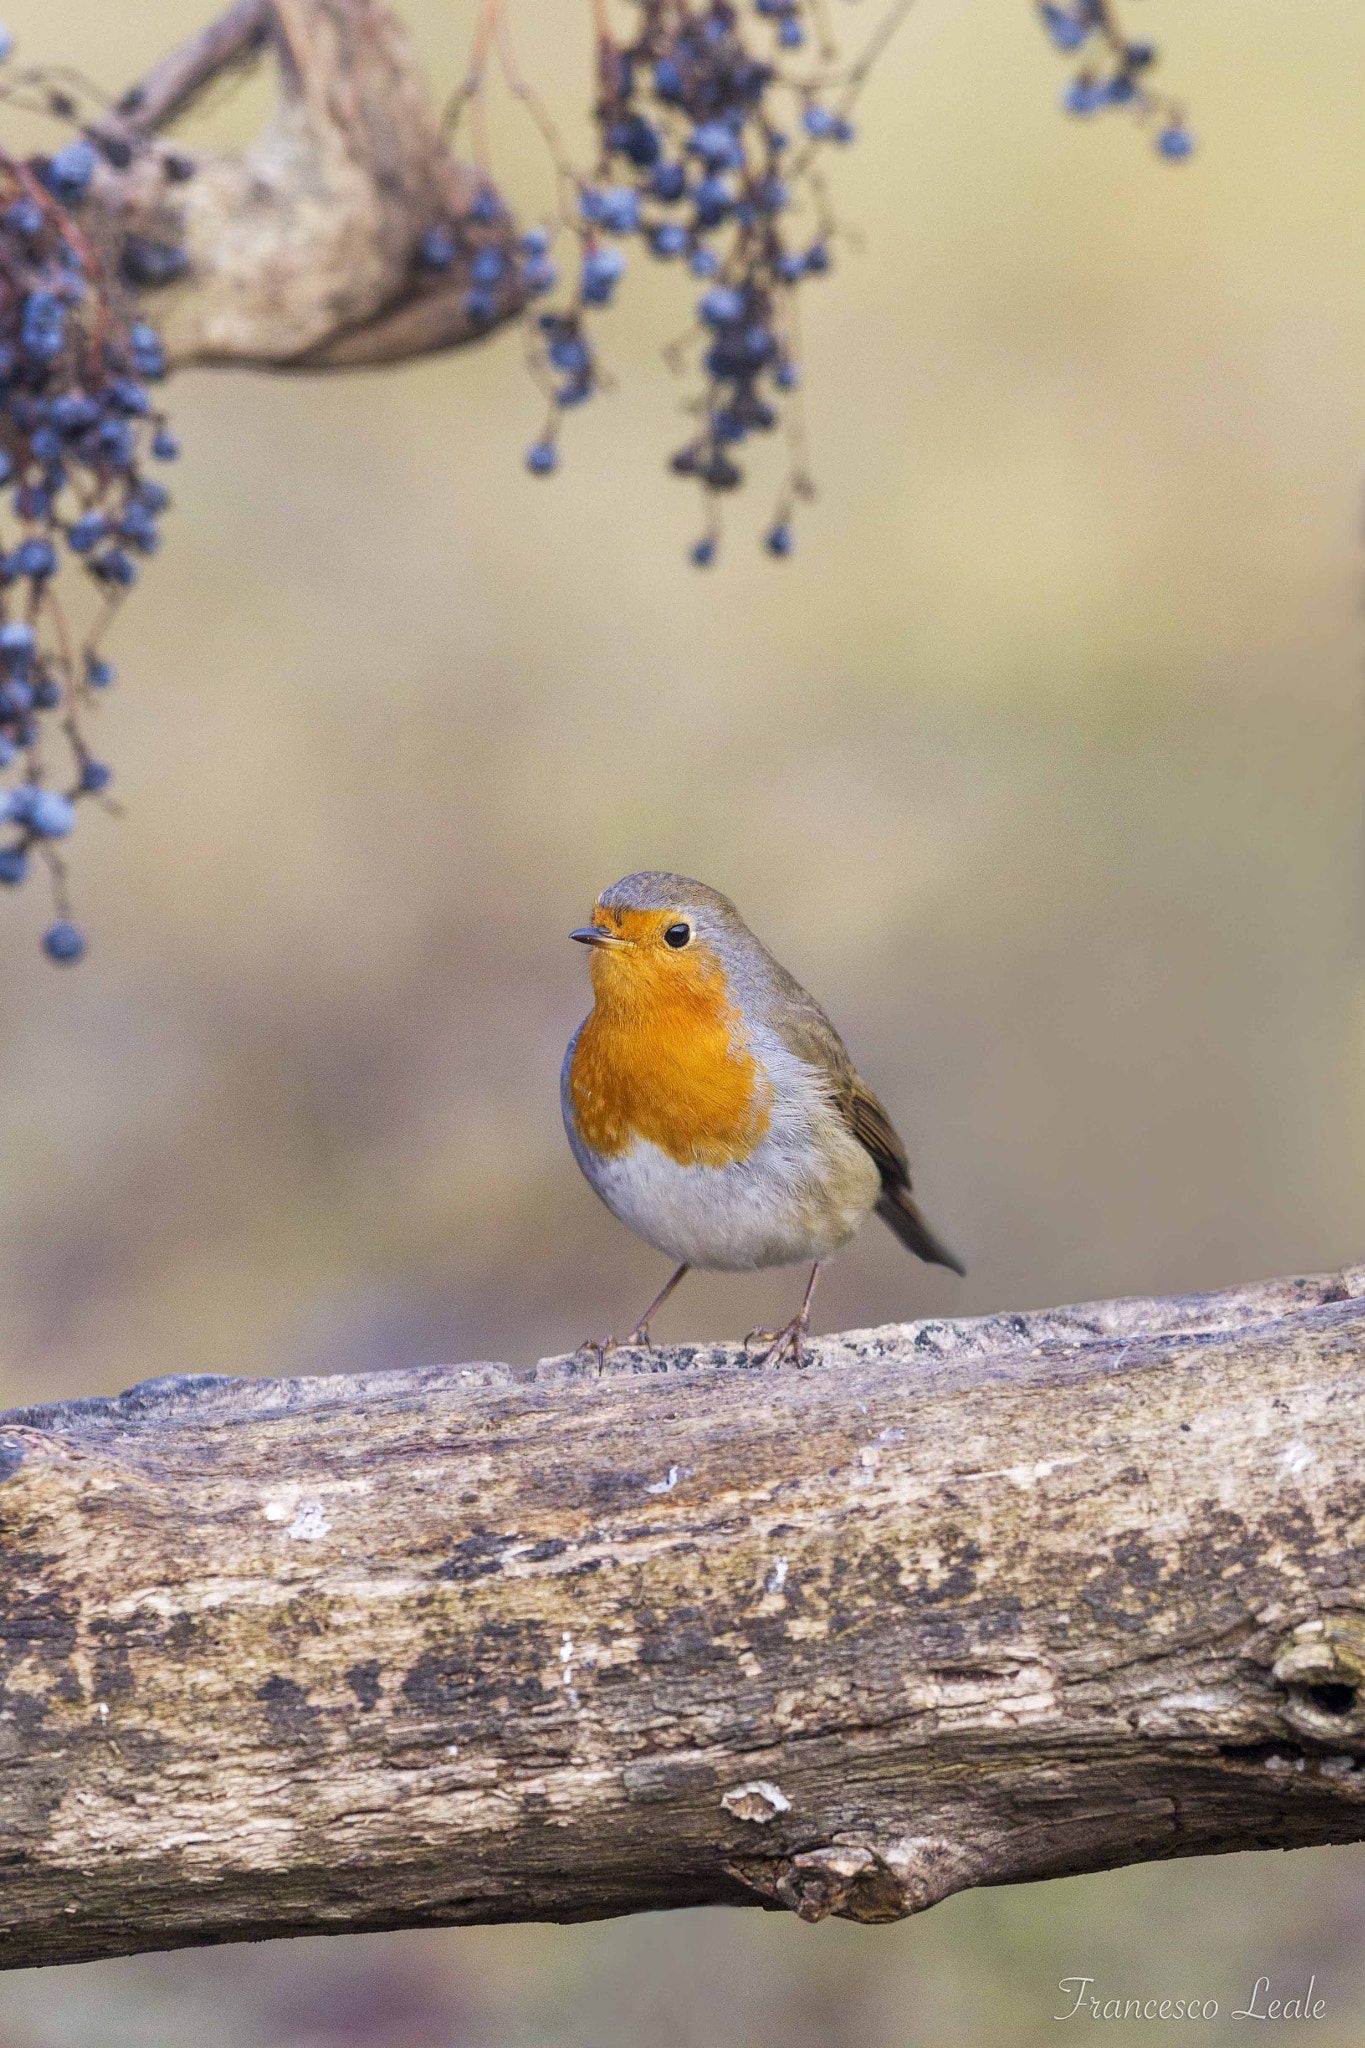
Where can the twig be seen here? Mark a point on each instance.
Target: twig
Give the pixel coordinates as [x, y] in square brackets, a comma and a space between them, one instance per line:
[177, 81]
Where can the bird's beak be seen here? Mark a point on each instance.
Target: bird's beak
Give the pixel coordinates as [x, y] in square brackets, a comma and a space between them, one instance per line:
[595, 935]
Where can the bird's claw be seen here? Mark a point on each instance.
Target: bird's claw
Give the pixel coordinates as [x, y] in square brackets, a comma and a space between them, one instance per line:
[600, 1347]
[792, 1338]
[597, 1347]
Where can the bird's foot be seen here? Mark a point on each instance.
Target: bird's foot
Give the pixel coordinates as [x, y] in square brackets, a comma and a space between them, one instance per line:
[600, 1347]
[596, 1347]
[792, 1339]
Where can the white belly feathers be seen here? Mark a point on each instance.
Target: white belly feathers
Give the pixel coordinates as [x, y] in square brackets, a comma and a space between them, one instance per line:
[799, 1196]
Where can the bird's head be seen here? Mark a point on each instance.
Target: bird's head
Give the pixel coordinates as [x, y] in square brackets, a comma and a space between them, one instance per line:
[658, 937]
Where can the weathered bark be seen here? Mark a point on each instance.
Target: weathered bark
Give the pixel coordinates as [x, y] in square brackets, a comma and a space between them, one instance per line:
[961, 1603]
[303, 250]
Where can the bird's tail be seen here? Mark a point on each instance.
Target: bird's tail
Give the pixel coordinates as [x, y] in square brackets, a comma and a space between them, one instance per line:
[897, 1207]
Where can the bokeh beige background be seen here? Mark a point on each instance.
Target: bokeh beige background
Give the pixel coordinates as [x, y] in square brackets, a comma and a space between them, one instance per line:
[1041, 763]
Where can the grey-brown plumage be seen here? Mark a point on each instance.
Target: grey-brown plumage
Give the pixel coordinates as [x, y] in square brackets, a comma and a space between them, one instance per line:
[807, 1031]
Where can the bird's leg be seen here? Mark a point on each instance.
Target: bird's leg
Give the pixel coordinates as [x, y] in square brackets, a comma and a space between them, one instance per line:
[640, 1334]
[600, 1346]
[793, 1337]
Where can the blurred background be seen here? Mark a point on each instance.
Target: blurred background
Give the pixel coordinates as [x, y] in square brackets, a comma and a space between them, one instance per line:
[1041, 764]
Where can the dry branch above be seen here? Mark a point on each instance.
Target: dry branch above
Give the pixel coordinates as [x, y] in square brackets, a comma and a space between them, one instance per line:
[962, 1603]
[303, 248]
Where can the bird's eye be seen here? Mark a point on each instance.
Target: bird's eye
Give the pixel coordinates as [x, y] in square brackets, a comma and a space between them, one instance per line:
[677, 935]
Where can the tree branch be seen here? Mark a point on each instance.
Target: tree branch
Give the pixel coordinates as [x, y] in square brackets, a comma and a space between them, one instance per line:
[963, 1603]
[177, 81]
[303, 249]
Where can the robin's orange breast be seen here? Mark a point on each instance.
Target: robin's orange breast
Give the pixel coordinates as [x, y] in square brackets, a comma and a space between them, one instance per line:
[664, 1057]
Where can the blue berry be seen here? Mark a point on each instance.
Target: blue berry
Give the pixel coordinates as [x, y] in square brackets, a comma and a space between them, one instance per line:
[569, 352]
[1084, 96]
[71, 412]
[535, 243]
[99, 674]
[69, 172]
[149, 358]
[86, 532]
[13, 866]
[18, 642]
[790, 34]
[538, 276]
[542, 458]
[716, 143]
[33, 557]
[487, 207]
[47, 812]
[713, 199]
[705, 263]
[25, 216]
[96, 776]
[778, 539]
[721, 306]
[138, 527]
[637, 139]
[115, 567]
[488, 266]
[669, 182]
[1068, 31]
[6, 44]
[480, 304]
[669, 239]
[1175, 142]
[668, 79]
[126, 396]
[602, 272]
[43, 329]
[64, 942]
[165, 447]
[436, 250]
[115, 438]
[704, 552]
[147, 264]
[614, 207]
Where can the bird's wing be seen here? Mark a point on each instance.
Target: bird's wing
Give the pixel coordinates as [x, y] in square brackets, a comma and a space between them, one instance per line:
[806, 1031]
[875, 1132]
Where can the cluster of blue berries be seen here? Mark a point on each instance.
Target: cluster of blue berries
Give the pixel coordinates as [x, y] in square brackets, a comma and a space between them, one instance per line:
[1115, 72]
[78, 429]
[500, 273]
[711, 122]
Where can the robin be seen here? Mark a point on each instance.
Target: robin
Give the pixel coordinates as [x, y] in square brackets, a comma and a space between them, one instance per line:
[712, 1105]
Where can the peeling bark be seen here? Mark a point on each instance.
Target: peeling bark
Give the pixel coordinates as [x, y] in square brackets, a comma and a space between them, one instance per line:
[303, 249]
[962, 1603]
